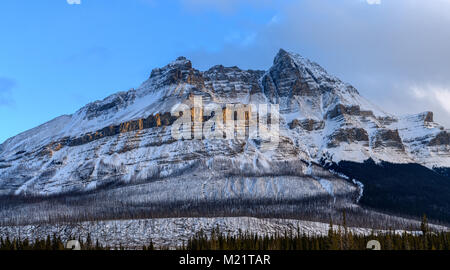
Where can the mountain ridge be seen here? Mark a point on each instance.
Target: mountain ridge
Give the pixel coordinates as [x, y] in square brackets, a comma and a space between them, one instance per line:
[321, 116]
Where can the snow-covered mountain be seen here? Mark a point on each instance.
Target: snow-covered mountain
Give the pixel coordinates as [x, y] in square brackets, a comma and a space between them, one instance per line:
[126, 138]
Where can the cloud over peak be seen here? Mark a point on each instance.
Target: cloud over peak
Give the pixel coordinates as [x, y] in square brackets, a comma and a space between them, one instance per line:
[74, 2]
[373, 2]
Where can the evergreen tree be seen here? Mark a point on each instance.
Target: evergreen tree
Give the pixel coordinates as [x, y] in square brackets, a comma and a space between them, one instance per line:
[424, 225]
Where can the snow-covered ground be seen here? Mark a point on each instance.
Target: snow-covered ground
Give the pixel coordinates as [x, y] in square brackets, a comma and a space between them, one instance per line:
[171, 232]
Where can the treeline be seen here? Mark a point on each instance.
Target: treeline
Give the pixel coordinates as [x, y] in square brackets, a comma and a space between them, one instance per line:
[342, 239]
[245, 241]
[442, 171]
[51, 243]
[333, 241]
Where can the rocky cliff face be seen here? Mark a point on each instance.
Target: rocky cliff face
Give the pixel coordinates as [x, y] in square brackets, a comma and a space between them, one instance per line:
[126, 138]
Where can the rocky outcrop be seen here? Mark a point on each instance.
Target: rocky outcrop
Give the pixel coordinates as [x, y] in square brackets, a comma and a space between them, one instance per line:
[348, 135]
[388, 138]
[387, 120]
[442, 138]
[307, 124]
[152, 121]
[232, 82]
[232, 74]
[340, 110]
[158, 120]
[428, 117]
[179, 71]
[110, 105]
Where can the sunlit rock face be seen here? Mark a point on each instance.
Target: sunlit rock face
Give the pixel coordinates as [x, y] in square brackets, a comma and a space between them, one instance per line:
[126, 138]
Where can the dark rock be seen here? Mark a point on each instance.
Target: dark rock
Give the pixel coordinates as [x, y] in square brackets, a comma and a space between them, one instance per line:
[180, 71]
[85, 171]
[112, 103]
[295, 123]
[388, 138]
[443, 138]
[4, 166]
[367, 114]
[47, 174]
[348, 135]
[286, 80]
[165, 119]
[229, 76]
[307, 124]
[45, 151]
[387, 120]
[340, 110]
[428, 117]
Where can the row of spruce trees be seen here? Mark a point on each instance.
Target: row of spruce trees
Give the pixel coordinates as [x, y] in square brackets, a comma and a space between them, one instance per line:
[340, 239]
[51, 243]
[333, 241]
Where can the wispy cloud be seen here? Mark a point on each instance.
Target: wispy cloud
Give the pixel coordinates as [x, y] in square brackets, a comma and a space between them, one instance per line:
[6, 86]
[74, 2]
[223, 6]
[435, 94]
[374, 2]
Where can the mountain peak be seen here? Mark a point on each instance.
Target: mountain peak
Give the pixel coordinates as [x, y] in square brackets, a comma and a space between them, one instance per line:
[183, 61]
[283, 57]
[294, 60]
[180, 63]
[179, 70]
[293, 75]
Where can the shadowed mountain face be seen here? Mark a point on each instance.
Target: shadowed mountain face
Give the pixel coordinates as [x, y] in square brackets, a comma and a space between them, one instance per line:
[126, 138]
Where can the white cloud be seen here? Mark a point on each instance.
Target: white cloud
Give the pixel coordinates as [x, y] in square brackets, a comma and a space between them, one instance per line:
[434, 94]
[443, 97]
[224, 6]
[74, 2]
[374, 2]
[275, 19]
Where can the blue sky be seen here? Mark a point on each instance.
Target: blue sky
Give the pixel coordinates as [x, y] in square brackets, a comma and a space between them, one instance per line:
[56, 57]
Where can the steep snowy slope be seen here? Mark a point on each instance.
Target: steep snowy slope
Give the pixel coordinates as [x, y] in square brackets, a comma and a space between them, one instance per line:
[126, 138]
